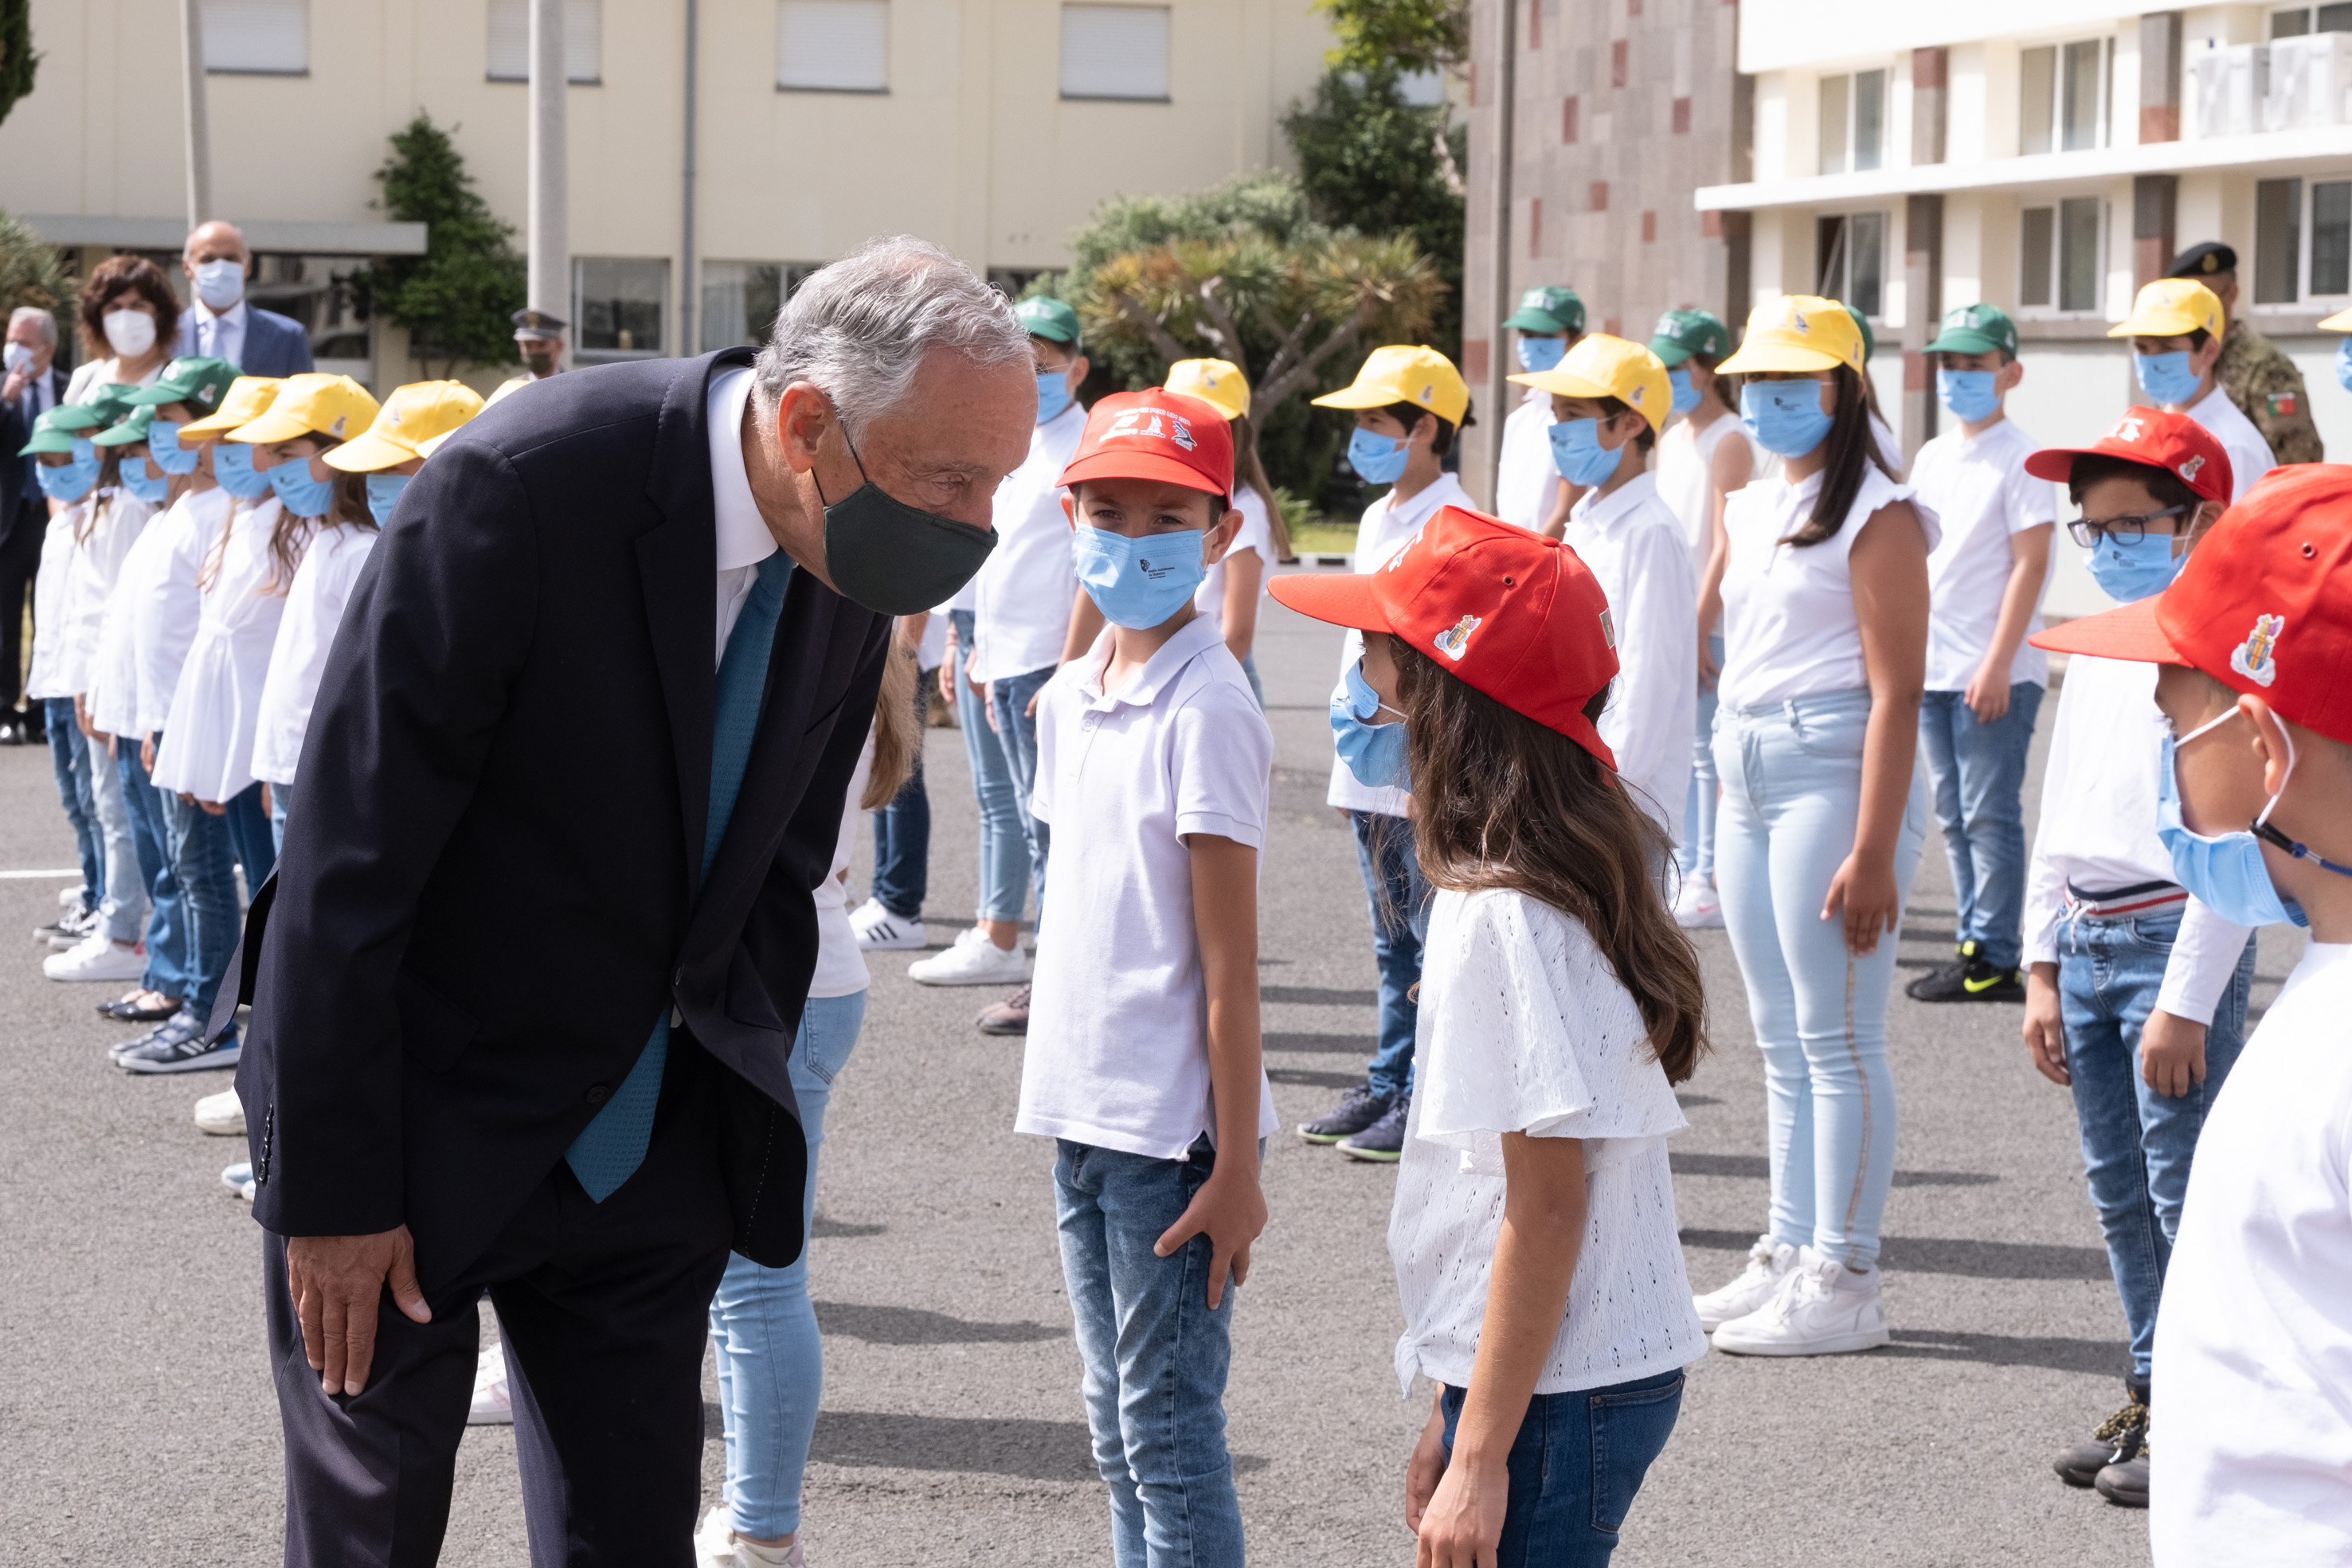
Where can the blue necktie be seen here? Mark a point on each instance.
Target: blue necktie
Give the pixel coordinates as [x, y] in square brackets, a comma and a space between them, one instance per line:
[610, 1149]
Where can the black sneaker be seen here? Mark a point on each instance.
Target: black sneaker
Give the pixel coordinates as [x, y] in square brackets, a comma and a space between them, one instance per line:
[2124, 1482]
[2115, 1440]
[1357, 1110]
[177, 1049]
[1383, 1141]
[1972, 980]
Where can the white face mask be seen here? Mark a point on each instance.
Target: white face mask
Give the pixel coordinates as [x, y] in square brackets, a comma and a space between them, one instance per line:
[16, 357]
[220, 284]
[130, 333]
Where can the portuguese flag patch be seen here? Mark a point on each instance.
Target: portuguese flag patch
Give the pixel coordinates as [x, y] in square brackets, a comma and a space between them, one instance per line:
[2283, 405]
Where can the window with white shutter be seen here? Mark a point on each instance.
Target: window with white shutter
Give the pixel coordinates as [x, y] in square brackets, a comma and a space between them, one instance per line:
[258, 37]
[584, 41]
[833, 45]
[1115, 51]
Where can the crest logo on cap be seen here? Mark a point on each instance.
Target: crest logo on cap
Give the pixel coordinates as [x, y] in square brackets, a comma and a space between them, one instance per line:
[1429, 392]
[336, 428]
[1145, 422]
[1634, 397]
[1797, 319]
[2255, 658]
[2125, 430]
[1607, 627]
[2189, 469]
[1456, 639]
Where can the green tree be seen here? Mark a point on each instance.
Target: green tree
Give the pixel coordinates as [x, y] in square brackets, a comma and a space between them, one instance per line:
[17, 61]
[32, 272]
[1374, 36]
[457, 299]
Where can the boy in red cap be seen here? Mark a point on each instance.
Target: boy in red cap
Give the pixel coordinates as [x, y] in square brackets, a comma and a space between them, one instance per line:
[1143, 1057]
[2252, 647]
[1533, 1234]
[2135, 992]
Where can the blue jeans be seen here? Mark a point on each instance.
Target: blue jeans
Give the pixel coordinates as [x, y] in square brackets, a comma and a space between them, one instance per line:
[250, 837]
[1578, 1460]
[2136, 1142]
[1791, 791]
[1257, 687]
[1004, 847]
[169, 950]
[771, 1363]
[123, 912]
[198, 844]
[1399, 900]
[1155, 1356]
[902, 832]
[1695, 854]
[1978, 772]
[70, 762]
[281, 801]
[1016, 730]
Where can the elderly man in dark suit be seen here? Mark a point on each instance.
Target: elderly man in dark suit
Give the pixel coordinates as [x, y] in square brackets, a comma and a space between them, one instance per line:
[526, 980]
[221, 325]
[30, 386]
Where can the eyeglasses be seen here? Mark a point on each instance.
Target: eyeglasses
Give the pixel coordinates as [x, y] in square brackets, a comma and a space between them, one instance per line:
[2087, 531]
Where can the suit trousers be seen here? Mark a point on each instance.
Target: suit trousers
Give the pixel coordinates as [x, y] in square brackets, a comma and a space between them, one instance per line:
[20, 562]
[603, 1308]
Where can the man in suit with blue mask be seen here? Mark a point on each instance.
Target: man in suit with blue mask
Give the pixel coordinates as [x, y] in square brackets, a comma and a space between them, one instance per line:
[222, 325]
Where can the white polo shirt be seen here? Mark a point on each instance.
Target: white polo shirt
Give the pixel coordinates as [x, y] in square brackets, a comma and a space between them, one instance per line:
[1383, 532]
[2250, 455]
[1118, 1052]
[1527, 480]
[1983, 496]
[1634, 545]
[1021, 605]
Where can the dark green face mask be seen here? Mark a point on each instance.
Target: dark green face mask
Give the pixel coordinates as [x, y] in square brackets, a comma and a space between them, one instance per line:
[894, 559]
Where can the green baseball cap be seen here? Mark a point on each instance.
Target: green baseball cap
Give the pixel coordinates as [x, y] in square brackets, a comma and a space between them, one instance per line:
[200, 383]
[1861, 323]
[1976, 329]
[132, 431]
[62, 429]
[1548, 310]
[1048, 318]
[1679, 334]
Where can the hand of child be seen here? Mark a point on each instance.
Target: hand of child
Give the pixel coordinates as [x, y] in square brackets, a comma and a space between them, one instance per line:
[2045, 1036]
[1871, 903]
[1229, 1210]
[2172, 1053]
[1988, 695]
[1426, 1468]
[1462, 1525]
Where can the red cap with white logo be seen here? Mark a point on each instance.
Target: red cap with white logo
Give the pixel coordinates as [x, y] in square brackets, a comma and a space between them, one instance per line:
[1516, 615]
[1155, 434]
[2173, 442]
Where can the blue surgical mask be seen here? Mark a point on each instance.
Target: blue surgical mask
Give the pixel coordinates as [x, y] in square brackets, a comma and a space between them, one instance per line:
[1378, 459]
[1541, 353]
[1969, 394]
[1784, 417]
[2226, 873]
[135, 480]
[1685, 392]
[2131, 569]
[383, 494]
[233, 470]
[68, 482]
[163, 446]
[1137, 583]
[303, 496]
[2166, 378]
[1577, 451]
[1375, 753]
[1053, 393]
[2344, 364]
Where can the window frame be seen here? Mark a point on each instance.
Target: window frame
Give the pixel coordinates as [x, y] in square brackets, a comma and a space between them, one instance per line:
[1848, 144]
[1843, 291]
[582, 354]
[303, 7]
[2055, 309]
[2305, 297]
[489, 75]
[2104, 109]
[2310, 14]
[1166, 13]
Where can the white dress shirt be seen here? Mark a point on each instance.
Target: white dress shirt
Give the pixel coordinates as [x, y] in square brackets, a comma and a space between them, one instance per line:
[1387, 524]
[1527, 480]
[1634, 544]
[744, 541]
[2250, 455]
[214, 334]
[1021, 607]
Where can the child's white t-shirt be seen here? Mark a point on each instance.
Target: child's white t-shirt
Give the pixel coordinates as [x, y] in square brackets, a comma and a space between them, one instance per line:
[1635, 549]
[1257, 533]
[315, 602]
[1526, 1028]
[2252, 1450]
[1118, 1052]
[1983, 497]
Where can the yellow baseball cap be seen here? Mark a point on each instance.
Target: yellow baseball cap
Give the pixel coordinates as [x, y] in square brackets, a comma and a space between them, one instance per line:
[2339, 322]
[1602, 366]
[311, 404]
[503, 389]
[2171, 308]
[1217, 383]
[1400, 373]
[411, 416]
[246, 400]
[1797, 332]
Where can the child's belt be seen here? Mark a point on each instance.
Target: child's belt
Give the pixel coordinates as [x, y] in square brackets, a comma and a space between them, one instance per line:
[2124, 901]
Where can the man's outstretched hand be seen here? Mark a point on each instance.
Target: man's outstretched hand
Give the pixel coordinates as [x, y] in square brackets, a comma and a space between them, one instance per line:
[336, 1282]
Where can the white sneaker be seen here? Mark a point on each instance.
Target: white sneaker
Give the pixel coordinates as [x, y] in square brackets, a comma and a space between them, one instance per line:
[879, 931]
[69, 898]
[221, 1115]
[981, 963]
[493, 1402]
[1698, 906]
[715, 1546]
[95, 957]
[1769, 1262]
[238, 1179]
[1823, 1308]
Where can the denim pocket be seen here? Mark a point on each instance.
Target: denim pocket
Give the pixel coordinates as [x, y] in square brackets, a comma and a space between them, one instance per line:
[1838, 735]
[829, 1027]
[1630, 1428]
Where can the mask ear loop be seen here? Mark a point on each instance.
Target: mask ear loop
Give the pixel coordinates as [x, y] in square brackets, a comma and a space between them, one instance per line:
[852, 456]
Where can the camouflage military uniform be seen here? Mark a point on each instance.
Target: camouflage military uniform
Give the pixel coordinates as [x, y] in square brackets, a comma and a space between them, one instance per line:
[2265, 385]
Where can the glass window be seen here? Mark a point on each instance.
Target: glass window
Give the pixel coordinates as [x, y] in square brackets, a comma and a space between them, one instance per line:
[1853, 248]
[2078, 253]
[2085, 97]
[2292, 24]
[833, 45]
[258, 37]
[2331, 237]
[2333, 18]
[1869, 117]
[1115, 51]
[617, 304]
[1834, 100]
[2037, 248]
[740, 300]
[2278, 241]
[2037, 84]
[584, 41]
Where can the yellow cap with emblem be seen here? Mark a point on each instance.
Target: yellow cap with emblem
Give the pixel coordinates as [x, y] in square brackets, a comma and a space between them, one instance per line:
[246, 400]
[410, 417]
[1400, 373]
[1217, 383]
[1802, 332]
[1602, 366]
[2171, 308]
[312, 403]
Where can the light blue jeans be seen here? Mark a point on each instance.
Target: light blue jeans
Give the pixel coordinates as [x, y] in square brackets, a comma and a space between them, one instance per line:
[281, 801]
[1978, 773]
[123, 912]
[1695, 854]
[1155, 1356]
[1004, 847]
[1791, 791]
[1016, 730]
[771, 1362]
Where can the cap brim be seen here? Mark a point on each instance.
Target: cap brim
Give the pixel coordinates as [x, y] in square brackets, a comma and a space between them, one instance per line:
[1670, 353]
[116, 437]
[1128, 464]
[211, 427]
[157, 396]
[1341, 598]
[1536, 321]
[2339, 322]
[2166, 326]
[2128, 632]
[366, 454]
[1562, 384]
[1754, 358]
[1964, 343]
[268, 429]
[2056, 463]
[1359, 397]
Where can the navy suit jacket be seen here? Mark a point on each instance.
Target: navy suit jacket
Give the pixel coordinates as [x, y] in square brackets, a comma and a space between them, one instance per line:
[14, 432]
[274, 345]
[493, 887]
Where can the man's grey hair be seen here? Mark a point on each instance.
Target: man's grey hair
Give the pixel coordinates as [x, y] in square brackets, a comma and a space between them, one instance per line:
[39, 318]
[859, 329]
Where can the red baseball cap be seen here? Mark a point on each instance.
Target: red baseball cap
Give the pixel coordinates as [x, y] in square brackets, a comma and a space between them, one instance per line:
[1514, 614]
[2264, 604]
[1155, 434]
[2173, 442]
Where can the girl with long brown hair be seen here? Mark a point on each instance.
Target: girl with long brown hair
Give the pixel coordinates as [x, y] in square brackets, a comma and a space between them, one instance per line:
[1533, 1234]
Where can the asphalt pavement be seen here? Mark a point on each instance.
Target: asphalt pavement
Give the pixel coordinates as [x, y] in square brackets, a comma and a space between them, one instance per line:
[137, 1422]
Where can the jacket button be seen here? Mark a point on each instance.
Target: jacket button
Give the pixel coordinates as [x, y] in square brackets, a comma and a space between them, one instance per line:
[598, 1093]
[678, 978]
